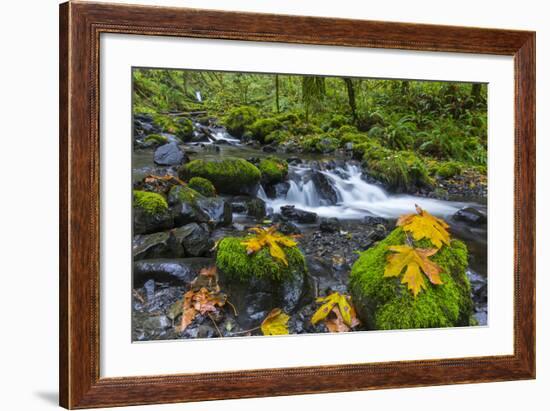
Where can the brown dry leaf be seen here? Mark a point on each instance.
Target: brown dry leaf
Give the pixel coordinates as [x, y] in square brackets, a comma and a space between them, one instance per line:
[424, 225]
[275, 323]
[414, 259]
[195, 302]
[271, 238]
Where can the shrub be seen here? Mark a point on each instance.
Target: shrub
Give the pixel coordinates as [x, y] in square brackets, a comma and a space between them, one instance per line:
[233, 260]
[231, 175]
[238, 119]
[150, 203]
[384, 303]
[202, 186]
[449, 169]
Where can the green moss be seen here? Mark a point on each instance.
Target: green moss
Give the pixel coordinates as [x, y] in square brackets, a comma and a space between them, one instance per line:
[277, 137]
[401, 170]
[151, 203]
[233, 260]
[185, 194]
[288, 118]
[352, 137]
[156, 139]
[260, 129]
[184, 128]
[319, 144]
[337, 121]
[385, 303]
[239, 118]
[202, 186]
[274, 170]
[231, 175]
[449, 169]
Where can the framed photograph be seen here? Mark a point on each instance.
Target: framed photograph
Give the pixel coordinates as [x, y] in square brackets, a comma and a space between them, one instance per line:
[258, 205]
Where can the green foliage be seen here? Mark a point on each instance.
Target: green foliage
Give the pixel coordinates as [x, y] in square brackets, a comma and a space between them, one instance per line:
[384, 303]
[449, 169]
[273, 169]
[337, 121]
[239, 119]
[263, 127]
[151, 203]
[156, 139]
[277, 137]
[230, 175]
[233, 260]
[401, 170]
[202, 186]
[182, 127]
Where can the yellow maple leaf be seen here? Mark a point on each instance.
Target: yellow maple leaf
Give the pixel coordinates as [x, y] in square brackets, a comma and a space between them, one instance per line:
[275, 323]
[414, 259]
[329, 303]
[424, 225]
[271, 238]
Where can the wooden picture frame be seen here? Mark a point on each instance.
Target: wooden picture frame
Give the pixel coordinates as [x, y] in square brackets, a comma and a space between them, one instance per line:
[80, 27]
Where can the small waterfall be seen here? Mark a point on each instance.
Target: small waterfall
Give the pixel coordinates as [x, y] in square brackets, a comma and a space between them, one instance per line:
[198, 96]
[356, 197]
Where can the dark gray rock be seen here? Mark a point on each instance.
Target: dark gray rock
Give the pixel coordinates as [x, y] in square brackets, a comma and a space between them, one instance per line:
[215, 210]
[288, 228]
[289, 212]
[471, 215]
[324, 187]
[195, 239]
[174, 270]
[145, 223]
[278, 190]
[169, 155]
[256, 208]
[155, 245]
[330, 225]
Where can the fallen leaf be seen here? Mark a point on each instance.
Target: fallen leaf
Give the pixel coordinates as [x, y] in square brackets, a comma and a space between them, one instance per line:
[275, 323]
[335, 322]
[329, 302]
[202, 301]
[414, 259]
[271, 238]
[424, 225]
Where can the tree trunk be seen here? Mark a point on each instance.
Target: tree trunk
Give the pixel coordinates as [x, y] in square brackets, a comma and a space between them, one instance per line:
[277, 92]
[351, 98]
[475, 93]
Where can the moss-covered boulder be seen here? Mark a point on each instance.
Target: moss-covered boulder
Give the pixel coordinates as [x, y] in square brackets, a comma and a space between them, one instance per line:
[230, 176]
[237, 264]
[274, 170]
[384, 303]
[202, 186]
[402, 171]
[184, 129]
[151, 213]
[239, 119]
[261, 128]
[319, 144]
[155, 140]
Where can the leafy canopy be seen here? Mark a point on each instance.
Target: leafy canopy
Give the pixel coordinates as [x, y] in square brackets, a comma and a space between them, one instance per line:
[414, 260]
[424, 225]
[271, 238]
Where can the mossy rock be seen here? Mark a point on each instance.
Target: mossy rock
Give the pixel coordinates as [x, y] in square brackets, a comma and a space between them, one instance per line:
[156, 139]
[319, 144]
[202, 186]
[184, 128]
[150, 203]
[184, 194]
[274, 170]
[384, 303]
[261, 128]
[239, 119]
[402, 171]
[277, 137]
[233, 260]
[449, 169]
[337, 121]
[230, 176]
